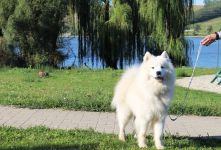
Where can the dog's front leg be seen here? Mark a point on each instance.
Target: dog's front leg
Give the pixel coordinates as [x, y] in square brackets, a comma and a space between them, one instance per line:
[141, 128]
[158, 132]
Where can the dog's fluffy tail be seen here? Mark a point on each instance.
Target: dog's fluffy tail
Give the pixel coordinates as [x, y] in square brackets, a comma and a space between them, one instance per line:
[122, 86]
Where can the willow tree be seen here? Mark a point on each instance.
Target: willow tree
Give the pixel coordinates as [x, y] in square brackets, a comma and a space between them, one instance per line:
[86, 20]
[165, 22]
[121, 33]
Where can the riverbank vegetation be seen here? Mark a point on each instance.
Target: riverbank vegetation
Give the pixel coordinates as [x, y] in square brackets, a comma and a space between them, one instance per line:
[90, 90]
[30, 32]
[114, 32]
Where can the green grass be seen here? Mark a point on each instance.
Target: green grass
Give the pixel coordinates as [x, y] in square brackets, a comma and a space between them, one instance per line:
[187, 72]
[80, 89]
[43, 138]
[83, 89]
[197, 103]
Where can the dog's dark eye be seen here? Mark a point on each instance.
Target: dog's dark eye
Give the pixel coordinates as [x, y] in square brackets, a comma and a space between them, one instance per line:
[162, 67]
[152, 67]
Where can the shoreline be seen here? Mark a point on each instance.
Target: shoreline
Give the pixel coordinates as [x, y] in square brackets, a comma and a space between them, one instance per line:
[75, 36]
[196, 36]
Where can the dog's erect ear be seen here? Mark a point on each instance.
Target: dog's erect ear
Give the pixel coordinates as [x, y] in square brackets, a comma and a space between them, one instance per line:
[147, 56]
[165, 55]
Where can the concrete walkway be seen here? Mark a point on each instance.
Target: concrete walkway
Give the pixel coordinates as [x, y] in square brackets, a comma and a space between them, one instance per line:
[201, 83]
[106, 122]
[101, 121]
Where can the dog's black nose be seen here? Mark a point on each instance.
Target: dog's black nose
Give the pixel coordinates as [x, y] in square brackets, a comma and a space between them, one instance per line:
[158, 73]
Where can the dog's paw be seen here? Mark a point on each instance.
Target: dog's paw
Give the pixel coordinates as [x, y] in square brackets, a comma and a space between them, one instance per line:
[142, 145]
[160, 147]
[122, 138]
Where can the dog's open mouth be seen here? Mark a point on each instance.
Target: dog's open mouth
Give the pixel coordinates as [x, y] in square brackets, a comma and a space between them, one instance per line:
[159, 78]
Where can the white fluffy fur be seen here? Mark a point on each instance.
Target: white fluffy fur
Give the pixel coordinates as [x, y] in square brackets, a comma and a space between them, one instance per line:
[140, 94]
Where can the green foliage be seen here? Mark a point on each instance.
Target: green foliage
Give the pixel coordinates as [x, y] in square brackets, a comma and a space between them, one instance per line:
[34, 27]
[130, 27]
[113, 34]
[166, 22]
[7, 8]
[7, 56]
[197, 28]
[209, 29]
[121, 16]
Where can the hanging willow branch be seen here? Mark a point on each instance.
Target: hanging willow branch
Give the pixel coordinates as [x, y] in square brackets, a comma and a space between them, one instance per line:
[121, 33]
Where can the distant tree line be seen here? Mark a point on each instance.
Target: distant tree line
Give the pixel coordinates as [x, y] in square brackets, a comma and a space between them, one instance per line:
[114, 32]
[211, 9]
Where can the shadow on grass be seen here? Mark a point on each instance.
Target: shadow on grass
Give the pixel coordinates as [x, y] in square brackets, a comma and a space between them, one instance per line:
[91, 146]
[172, 142]
[207, 142]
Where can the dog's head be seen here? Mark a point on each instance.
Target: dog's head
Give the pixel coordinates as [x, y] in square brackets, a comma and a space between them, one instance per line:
[159, 67]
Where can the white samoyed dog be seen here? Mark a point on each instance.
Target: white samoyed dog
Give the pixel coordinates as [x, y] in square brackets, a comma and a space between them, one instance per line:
[145, 92]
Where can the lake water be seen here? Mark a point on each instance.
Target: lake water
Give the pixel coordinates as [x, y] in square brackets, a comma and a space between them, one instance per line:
[210, 56]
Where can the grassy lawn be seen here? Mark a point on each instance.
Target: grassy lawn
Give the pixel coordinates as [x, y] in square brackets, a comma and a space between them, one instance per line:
[44, 138]
[83, 89]
[187, 72]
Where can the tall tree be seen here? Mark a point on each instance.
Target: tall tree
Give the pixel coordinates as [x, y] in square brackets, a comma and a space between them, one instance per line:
[7, 53]
[128, 28]
[34, 28]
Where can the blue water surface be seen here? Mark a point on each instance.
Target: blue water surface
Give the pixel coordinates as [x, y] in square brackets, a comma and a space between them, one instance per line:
[210, 56]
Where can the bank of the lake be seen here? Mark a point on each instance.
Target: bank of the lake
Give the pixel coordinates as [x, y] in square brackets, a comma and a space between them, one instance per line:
[210, 56]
